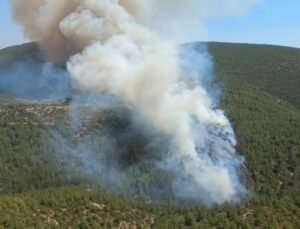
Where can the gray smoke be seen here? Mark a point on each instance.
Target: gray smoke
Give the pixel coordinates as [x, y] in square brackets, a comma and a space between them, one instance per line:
[31, 79]
[128, 49]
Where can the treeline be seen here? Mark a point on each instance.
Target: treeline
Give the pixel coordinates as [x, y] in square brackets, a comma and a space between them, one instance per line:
[83, 208]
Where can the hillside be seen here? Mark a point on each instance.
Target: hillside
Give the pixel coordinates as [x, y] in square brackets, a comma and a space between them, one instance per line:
[272, 69]
[262, 100]
[20, 52]
[261, 95]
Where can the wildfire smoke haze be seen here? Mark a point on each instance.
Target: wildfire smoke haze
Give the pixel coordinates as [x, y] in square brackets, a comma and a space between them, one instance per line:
[128, 49]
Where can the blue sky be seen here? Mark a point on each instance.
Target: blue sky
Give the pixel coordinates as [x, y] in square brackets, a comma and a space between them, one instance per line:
[10, 33]
[268, 22]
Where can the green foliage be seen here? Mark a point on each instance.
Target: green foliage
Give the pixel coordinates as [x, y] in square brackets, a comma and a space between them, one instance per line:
[262, 100]
[26, 164]
[261, 86]
[82, 208]
[272, 69]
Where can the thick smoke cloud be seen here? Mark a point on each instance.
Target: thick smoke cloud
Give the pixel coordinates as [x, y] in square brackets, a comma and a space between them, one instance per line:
[128, 49]
[175, 19]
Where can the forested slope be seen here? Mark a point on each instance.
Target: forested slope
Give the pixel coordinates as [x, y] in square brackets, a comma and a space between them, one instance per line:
[260, 93]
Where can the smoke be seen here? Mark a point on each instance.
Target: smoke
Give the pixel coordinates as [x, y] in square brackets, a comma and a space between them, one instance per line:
[175, 19]
[128, 49]
[31, 79]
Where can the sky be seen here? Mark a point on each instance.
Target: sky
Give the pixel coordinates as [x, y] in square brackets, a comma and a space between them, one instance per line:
[267, 22]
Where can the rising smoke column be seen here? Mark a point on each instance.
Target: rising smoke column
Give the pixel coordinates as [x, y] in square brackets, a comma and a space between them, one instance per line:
[126, 48]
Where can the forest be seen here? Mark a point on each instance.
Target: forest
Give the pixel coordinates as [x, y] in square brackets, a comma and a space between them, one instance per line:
[46, 185]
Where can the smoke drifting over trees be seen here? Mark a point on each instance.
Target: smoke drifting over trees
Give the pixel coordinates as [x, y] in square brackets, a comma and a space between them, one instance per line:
[128, 49]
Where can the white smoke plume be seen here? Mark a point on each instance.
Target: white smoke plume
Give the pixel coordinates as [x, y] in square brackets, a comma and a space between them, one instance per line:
[128, 48]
